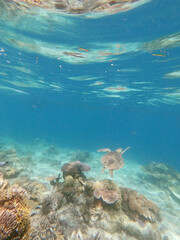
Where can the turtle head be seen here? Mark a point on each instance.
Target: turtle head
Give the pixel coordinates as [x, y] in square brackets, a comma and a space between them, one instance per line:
[119, 150]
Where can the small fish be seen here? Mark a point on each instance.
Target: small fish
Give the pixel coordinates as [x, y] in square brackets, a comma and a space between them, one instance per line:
[32, 214]
[159, 55]
[83, 49]
[2, 164]
[38, 207]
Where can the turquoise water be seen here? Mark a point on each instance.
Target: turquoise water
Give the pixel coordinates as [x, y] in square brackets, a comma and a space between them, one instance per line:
[82, 82]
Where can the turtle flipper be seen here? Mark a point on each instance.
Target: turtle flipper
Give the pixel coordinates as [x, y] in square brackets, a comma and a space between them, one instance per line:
[102, 170]
[124, 150]
[111, 172]
[104, 150]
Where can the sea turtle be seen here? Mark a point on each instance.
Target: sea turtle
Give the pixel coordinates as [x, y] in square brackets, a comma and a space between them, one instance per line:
[112, 160]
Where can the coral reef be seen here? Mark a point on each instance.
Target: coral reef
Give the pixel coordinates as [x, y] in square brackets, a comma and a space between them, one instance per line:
[106, 193]
[75, 207]
[108, 196]
[85, 209]
[138, 206]
[14, 212]
[69, 205]
[34, 189]
[54, 180]
[43, 228]
[75, 169]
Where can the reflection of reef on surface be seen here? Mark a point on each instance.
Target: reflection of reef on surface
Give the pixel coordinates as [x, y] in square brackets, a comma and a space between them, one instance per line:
[163, 42]
[84, 6]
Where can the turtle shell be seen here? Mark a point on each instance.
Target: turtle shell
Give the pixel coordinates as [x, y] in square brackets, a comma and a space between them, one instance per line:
[112, 160]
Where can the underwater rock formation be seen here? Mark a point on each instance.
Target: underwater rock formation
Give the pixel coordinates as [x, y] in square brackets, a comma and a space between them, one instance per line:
[14, 212]
[83, 209]
[106, 194]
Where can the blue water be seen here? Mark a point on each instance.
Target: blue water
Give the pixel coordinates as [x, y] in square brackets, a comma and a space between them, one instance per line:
[71, 84]
[80, 111]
